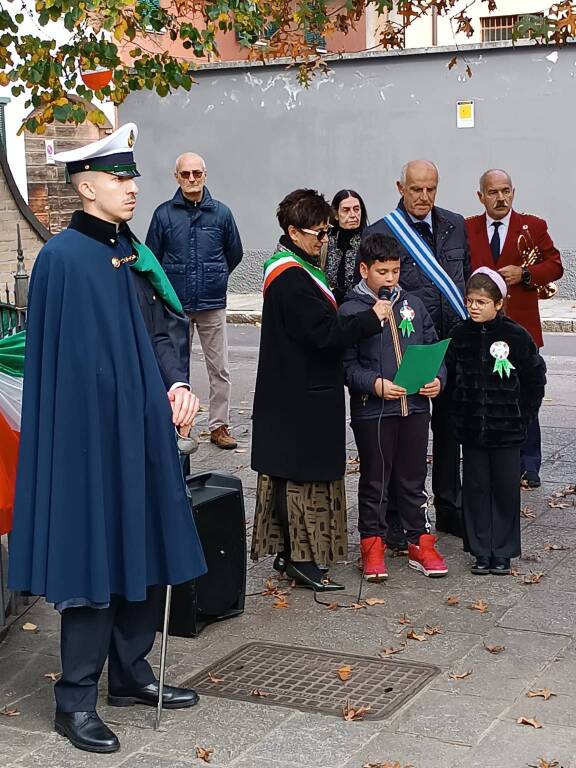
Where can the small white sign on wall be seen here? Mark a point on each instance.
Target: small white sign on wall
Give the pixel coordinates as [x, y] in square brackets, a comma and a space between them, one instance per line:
[49, 146]
[464, 114]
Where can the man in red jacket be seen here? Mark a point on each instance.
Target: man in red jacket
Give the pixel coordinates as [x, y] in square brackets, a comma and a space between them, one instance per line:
[502, 239]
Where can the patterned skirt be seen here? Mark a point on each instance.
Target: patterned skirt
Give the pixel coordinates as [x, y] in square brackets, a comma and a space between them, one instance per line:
[316, 518]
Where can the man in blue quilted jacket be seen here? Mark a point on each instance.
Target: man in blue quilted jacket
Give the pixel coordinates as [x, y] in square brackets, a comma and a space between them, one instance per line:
[197, 242]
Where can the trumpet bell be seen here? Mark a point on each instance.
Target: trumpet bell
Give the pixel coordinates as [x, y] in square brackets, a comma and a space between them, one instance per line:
[547, 291]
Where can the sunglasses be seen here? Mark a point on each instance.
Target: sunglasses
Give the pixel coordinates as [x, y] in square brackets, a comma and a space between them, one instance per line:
[320, 234]
[186, 174]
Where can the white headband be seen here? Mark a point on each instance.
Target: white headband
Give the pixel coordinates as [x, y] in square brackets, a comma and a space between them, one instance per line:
[496, 277]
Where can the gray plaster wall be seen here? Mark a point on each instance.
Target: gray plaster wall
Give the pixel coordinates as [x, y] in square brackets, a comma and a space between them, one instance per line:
[262, 135]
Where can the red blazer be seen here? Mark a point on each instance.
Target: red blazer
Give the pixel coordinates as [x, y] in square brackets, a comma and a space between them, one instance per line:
[522, 301]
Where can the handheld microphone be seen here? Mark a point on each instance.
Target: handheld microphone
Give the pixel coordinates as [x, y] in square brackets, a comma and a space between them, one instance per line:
[385, 293]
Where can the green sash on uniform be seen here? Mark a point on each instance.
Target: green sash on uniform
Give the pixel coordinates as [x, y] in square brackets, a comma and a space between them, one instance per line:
[151, 267]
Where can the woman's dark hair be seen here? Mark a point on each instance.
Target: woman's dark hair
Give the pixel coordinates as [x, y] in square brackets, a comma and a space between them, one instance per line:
[484, 284]
[342, 195]
[303, 208]
[378, 247]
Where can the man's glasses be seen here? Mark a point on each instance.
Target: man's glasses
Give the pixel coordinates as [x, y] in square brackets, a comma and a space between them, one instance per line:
[320, 234]
[186, 174]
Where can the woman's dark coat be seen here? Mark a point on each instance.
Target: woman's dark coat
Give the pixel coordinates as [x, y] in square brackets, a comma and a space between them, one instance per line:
[488, 411]
[299, 430]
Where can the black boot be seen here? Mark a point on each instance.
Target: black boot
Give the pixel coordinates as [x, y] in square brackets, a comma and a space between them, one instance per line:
[85, 730]
[280, 561]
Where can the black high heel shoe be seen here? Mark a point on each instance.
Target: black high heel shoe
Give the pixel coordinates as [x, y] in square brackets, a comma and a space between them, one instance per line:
[318, 584]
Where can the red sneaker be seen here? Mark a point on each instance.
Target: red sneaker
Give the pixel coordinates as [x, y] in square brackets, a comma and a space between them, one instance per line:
[373, 565]
[425, 558]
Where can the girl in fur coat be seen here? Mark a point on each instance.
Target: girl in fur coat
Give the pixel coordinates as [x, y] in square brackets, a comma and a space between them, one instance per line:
[496, 381]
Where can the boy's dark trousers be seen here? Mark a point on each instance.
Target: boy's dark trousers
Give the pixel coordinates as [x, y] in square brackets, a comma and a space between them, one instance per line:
[403, 447]
[491, 501]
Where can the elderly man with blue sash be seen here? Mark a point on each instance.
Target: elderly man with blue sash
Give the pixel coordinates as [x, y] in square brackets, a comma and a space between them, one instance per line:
[434, 265]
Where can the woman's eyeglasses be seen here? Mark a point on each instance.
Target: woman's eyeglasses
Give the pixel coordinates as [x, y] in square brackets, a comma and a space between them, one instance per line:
[320, 234]
[186, 174]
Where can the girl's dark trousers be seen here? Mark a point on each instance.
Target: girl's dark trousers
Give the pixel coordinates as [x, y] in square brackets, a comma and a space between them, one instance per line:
[491, 501]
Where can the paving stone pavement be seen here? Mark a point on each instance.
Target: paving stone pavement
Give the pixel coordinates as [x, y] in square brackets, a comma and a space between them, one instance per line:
[469, 722]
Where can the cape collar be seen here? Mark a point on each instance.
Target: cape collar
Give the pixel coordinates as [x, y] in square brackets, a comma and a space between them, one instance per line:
[98, 229]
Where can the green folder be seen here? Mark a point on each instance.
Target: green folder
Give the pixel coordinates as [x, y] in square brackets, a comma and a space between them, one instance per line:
[420, 365]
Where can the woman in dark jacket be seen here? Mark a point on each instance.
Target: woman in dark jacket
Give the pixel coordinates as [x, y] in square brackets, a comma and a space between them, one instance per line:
[495, 387]
[350, 219]
[299, 430]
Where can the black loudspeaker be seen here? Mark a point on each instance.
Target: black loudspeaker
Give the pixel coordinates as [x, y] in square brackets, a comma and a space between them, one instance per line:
[217, 504]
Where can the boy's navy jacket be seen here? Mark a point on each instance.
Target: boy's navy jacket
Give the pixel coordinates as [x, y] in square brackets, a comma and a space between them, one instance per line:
[374, 357]
[486, 410]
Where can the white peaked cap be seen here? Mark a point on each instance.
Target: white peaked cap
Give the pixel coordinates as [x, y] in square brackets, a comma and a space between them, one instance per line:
[112, 154]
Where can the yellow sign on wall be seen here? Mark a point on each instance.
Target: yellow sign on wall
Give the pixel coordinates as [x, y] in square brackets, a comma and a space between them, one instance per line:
[465, 114]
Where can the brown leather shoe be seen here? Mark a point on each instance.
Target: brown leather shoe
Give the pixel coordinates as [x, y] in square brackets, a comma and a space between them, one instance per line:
[222, 438]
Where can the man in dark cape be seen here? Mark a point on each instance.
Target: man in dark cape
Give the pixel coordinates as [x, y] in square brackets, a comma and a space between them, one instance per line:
[101, 517]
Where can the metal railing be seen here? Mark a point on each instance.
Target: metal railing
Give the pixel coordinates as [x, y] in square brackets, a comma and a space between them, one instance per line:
[12, 319]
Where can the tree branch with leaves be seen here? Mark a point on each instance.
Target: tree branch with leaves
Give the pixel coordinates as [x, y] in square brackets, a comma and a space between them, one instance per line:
[123, 36]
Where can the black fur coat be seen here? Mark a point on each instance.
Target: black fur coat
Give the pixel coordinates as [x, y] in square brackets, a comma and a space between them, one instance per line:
[487, 410]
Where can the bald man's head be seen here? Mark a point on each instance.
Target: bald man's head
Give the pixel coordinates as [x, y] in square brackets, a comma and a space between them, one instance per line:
[190, 173]
[189, 157]
[418, 185]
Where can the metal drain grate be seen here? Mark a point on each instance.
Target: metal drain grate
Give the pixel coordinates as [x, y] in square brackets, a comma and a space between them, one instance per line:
[306, 679]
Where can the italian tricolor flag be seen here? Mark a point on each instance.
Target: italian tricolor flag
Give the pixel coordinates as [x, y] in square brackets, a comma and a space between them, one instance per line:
[11, 371]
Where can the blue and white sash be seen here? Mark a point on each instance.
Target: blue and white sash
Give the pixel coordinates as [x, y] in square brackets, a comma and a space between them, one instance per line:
[422, 254]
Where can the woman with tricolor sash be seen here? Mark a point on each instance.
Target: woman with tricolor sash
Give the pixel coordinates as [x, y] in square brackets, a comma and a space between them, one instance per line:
[11, 368]
[299, 429]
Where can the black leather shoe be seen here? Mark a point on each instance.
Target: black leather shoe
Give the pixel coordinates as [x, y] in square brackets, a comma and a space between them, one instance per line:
[530, 479]
[172, 698]
[302, 580]
[450, 522]
[85, 730]
[500, 566]
[481, 567]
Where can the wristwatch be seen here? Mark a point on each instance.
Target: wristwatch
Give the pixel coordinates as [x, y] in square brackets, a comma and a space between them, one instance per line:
[526, 276]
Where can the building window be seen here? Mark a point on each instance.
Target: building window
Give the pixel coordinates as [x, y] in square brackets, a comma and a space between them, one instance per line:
[314, 39]
[497, 28]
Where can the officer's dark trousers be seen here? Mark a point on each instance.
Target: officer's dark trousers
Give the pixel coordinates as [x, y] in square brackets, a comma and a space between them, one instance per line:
[446, 484]
[491, 501]
[124, 633]
[531, 454]
[403, 444]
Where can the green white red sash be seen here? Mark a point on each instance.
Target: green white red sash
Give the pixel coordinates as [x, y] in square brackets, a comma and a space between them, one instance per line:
[283, 260]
